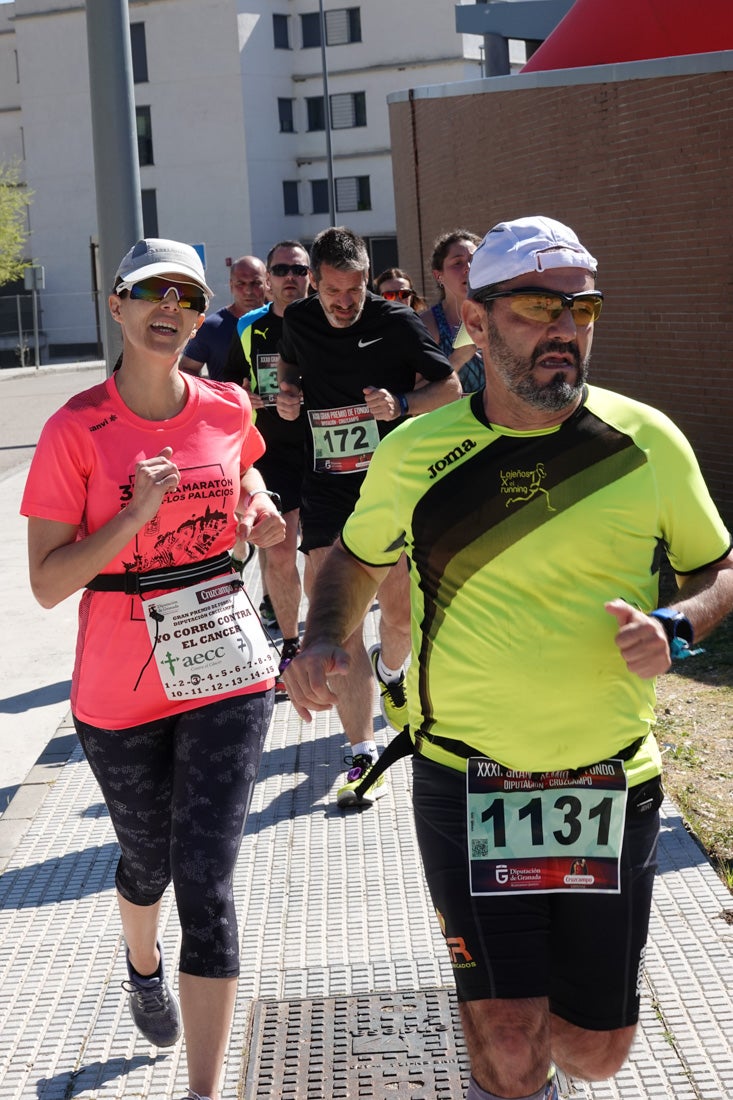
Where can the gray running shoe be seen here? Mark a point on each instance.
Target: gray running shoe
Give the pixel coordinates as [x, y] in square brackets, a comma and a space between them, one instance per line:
[153, 1006]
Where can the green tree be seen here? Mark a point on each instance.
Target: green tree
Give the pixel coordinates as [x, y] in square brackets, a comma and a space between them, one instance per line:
[14, 201]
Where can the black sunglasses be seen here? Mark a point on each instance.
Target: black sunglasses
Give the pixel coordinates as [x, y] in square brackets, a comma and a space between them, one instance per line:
[281, 270]
[545, 306]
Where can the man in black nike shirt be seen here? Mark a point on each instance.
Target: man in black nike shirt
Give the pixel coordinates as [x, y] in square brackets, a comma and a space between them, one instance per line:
[361, 365]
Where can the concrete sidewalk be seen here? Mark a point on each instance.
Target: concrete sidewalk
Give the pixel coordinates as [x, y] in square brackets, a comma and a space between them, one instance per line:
[346, 989]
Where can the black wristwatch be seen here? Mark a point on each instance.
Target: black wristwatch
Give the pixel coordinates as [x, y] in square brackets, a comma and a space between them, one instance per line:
[678, 628]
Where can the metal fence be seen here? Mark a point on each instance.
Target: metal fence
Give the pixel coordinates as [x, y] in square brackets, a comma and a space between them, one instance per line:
[46, 327]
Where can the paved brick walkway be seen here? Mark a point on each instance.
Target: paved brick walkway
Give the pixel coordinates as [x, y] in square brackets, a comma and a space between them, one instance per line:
[333, 912]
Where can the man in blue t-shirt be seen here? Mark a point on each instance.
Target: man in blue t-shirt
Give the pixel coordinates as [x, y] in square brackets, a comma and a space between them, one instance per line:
[210, 346]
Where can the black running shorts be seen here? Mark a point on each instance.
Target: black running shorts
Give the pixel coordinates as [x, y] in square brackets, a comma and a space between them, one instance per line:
[282, 473]
[327, 502]
[582, 951]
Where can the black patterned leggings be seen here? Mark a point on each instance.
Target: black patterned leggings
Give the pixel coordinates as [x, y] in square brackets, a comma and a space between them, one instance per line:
[178, 792]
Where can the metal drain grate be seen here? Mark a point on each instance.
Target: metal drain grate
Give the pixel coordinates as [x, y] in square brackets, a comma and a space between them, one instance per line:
[380, 1047]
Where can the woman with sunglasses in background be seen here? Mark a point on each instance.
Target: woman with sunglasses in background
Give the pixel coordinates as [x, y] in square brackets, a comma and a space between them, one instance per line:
[137, 490]
[450, 262]
[395, 285]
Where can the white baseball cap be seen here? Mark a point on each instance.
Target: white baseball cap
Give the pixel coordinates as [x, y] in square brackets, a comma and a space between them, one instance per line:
[530, 244]
[155, 256]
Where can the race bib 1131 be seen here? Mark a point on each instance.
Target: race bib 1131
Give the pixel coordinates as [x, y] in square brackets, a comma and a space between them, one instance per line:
[547, 831]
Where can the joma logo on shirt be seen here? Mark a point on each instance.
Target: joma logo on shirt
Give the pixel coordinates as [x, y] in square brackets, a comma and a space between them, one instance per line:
[452, 456]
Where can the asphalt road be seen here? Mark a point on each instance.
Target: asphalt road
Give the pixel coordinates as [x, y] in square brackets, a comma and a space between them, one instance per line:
[36, 646]
[27, 399]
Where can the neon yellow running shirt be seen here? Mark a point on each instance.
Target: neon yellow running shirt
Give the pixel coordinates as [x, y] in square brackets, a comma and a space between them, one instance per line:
[516, 541]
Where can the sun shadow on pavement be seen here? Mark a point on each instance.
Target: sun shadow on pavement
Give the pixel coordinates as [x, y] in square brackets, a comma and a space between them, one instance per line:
[76, 874]
[319, 763]
[91, 1077]
[38, 697]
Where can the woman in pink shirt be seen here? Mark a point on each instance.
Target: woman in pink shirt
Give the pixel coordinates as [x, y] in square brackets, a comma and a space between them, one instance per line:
[138, 489]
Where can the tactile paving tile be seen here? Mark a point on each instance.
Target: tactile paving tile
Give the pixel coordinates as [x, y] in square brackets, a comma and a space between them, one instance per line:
[333, 908]
[357, 1048]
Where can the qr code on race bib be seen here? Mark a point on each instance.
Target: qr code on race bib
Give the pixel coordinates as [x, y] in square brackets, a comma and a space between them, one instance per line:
[480, 848]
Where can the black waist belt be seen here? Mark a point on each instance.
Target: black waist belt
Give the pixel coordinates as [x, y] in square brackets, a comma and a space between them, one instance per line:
[460, 748]
[402, 745]
[179, 576]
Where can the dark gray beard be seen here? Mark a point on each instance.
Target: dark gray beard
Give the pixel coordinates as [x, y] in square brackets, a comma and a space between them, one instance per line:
[517, 373]
[557, 395]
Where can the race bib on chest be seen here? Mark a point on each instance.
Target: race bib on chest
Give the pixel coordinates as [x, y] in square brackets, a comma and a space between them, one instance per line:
[344, 439]
[545, 832]
[267, 377]
[207, 639]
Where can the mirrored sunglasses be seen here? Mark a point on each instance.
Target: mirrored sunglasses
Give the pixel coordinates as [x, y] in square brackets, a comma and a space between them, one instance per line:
[188, 295]
[543, 306]
[281, 270]
[403, 294]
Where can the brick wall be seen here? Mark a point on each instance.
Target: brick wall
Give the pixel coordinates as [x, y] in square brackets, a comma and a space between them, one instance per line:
[642, 169]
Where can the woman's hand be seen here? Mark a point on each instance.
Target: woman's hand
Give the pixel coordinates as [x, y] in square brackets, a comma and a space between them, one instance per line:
[260, 523]
[154, 477]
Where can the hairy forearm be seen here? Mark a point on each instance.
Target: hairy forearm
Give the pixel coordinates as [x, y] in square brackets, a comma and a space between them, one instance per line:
[706, 598]
[341, 596]
[434, 395]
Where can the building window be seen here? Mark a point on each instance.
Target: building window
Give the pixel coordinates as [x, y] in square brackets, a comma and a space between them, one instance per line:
[150, 212]
[382, 252]
[144, 136]
[139, 53]
[319, 196]
[343, 25]
[285, 114]
[316, 115]
[347, 110]
[310, 29]
[290, 197]
[281, 31]
[352, 193]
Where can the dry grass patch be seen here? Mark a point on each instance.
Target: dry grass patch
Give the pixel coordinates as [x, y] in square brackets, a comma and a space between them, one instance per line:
[695, 733]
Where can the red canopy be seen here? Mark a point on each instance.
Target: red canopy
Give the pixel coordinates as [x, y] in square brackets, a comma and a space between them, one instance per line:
[600, 32]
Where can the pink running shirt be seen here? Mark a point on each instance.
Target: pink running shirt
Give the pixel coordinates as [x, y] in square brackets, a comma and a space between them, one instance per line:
[83, 472]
